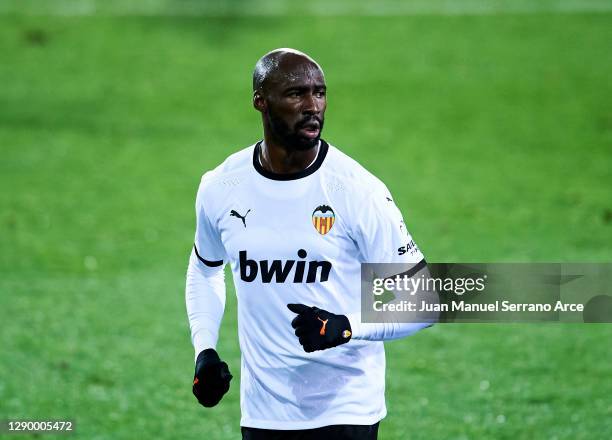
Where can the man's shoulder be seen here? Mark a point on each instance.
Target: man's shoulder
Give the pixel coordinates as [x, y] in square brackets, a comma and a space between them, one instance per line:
[233, 167]
[351, 173]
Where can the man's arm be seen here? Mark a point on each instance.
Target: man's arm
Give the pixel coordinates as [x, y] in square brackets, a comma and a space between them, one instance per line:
[205, 301]
[398, 325]
[383, 237]
[319, 329]
[205, 287]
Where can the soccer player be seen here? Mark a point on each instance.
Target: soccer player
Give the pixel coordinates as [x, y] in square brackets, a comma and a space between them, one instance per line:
[294, 217]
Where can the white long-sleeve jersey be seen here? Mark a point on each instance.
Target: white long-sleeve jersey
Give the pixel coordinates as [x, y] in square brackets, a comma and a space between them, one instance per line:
[298, 238]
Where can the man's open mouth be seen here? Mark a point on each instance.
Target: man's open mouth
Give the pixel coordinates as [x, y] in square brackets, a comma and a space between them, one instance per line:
[311, 129]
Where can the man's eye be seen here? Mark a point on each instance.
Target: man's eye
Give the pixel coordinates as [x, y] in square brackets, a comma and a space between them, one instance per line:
[319, 94]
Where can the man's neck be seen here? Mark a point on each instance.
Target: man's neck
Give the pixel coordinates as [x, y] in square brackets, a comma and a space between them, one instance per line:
[279, 160]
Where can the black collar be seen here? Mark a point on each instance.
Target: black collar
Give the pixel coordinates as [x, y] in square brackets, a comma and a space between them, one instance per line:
[323, 148]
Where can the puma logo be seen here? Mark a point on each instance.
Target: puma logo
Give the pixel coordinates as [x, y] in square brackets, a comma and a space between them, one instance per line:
[241, 217]
[322, 331]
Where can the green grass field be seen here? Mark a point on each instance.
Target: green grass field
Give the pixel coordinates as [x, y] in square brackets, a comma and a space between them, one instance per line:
[492, 130]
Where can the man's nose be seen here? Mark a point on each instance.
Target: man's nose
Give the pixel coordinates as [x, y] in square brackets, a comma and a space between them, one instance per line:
[311, 104]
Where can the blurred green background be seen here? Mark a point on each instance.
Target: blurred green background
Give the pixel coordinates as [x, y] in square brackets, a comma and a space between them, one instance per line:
[490, 122]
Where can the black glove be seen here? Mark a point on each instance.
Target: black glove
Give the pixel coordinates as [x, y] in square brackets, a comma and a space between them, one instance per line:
[319, 329]
[211, 379]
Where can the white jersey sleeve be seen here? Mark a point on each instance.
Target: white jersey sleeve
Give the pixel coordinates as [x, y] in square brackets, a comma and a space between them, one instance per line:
[205, 302]
[380, 232]
[205, 284]
[208, 246]
[382, 237]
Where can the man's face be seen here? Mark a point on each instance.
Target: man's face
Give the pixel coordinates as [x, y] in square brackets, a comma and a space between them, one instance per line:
[296, 102]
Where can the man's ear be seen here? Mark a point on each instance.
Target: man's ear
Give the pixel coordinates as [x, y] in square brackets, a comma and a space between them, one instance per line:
[258, 101]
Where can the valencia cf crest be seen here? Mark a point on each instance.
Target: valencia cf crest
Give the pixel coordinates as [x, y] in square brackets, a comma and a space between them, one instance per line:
[323, 219]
